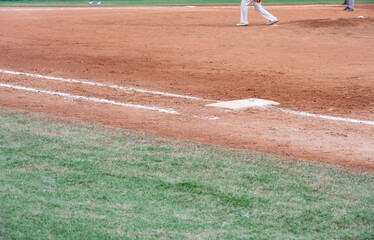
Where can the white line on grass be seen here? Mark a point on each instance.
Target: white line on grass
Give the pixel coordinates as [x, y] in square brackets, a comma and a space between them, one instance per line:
[305, 114]
[101, 100]
[103, 85]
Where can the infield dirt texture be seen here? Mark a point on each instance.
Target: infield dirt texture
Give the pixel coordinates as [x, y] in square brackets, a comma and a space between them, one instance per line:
[318, 59]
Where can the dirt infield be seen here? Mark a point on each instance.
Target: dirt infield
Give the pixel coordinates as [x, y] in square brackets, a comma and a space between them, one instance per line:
[318, 59]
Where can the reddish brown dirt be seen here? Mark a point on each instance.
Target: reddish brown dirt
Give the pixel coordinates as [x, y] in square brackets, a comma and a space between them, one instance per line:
[307, 62]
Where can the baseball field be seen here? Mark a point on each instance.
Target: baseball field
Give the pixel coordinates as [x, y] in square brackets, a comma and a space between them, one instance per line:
[105, 133]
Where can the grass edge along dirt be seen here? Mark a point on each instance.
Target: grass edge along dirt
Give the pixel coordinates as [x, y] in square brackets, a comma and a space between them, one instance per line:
[30, 3]
[64, 179]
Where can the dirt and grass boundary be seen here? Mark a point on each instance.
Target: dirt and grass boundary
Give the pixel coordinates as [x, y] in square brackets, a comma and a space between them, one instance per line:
[66, 179]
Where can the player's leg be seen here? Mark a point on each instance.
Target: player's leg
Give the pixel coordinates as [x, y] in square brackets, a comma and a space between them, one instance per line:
[264, 13]
[350, 4]
[243, 13]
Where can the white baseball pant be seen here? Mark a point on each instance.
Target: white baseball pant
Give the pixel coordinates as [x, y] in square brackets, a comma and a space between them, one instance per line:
[259, 9]
[350, 3]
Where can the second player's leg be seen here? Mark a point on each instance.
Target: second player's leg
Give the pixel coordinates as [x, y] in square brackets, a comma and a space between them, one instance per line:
[350, 4]
[244, 11]
[263, 12]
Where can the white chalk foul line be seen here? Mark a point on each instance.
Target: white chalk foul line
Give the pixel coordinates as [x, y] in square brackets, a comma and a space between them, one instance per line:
[101, 100]
[305, 114]
[103, 85]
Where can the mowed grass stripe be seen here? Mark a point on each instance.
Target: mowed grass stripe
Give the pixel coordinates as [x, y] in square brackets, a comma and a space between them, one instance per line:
[63, 179]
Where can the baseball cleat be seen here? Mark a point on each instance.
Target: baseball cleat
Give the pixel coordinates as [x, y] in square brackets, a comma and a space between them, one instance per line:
[349, 9]
[272, 22]
[90, 2]
[242, 24]
[99, 2]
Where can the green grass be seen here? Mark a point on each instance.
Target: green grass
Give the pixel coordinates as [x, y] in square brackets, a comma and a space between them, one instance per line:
[157, 2]
[61, 179]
